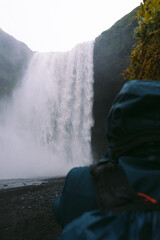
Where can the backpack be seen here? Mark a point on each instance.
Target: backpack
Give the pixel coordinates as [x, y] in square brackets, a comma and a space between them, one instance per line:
[123, 214]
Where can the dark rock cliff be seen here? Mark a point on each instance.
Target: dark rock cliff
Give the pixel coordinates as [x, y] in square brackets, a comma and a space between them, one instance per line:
[111, 57]
[14, 56]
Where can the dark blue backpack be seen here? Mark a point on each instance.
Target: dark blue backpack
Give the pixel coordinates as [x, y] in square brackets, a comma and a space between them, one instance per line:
[123, 214]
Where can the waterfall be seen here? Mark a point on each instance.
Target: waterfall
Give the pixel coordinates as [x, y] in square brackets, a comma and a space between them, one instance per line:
[45, 129]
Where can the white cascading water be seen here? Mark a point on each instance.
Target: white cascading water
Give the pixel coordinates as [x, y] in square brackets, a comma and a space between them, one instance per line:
[46, 128]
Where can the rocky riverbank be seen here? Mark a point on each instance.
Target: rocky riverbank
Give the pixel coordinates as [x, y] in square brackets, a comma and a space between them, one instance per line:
[26, 212]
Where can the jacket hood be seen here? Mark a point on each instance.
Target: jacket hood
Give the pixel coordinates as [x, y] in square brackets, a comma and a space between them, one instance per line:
[135, 113]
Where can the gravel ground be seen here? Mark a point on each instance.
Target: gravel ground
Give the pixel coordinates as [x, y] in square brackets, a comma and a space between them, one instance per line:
[26, 212]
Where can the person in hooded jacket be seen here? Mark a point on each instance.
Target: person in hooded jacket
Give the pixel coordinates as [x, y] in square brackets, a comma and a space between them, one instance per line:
[118, 198]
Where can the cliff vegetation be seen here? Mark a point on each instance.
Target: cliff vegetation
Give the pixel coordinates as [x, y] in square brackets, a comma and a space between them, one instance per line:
[145, 58]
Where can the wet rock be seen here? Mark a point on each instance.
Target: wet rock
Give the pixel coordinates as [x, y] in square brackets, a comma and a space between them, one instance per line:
[26, 212]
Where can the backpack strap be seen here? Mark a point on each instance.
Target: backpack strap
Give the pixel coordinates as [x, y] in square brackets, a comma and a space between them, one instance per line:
[113, 191]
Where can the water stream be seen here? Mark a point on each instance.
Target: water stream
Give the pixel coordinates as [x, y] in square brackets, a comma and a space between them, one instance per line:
[45, 129]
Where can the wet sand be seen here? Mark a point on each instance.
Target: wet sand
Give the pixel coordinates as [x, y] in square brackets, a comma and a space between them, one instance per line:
[26, 212]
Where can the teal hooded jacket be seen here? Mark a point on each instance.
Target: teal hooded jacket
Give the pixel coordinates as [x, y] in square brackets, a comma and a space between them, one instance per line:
[133, 131]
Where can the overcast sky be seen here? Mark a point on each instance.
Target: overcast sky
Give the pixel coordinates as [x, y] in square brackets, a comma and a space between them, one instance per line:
[58, 25]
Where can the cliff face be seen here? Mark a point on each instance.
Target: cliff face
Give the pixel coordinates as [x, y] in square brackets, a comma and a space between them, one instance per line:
[111, 57]
[14, 56]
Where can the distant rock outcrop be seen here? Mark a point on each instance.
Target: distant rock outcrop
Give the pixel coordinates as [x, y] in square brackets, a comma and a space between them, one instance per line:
[111, 57]
[14, 56]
